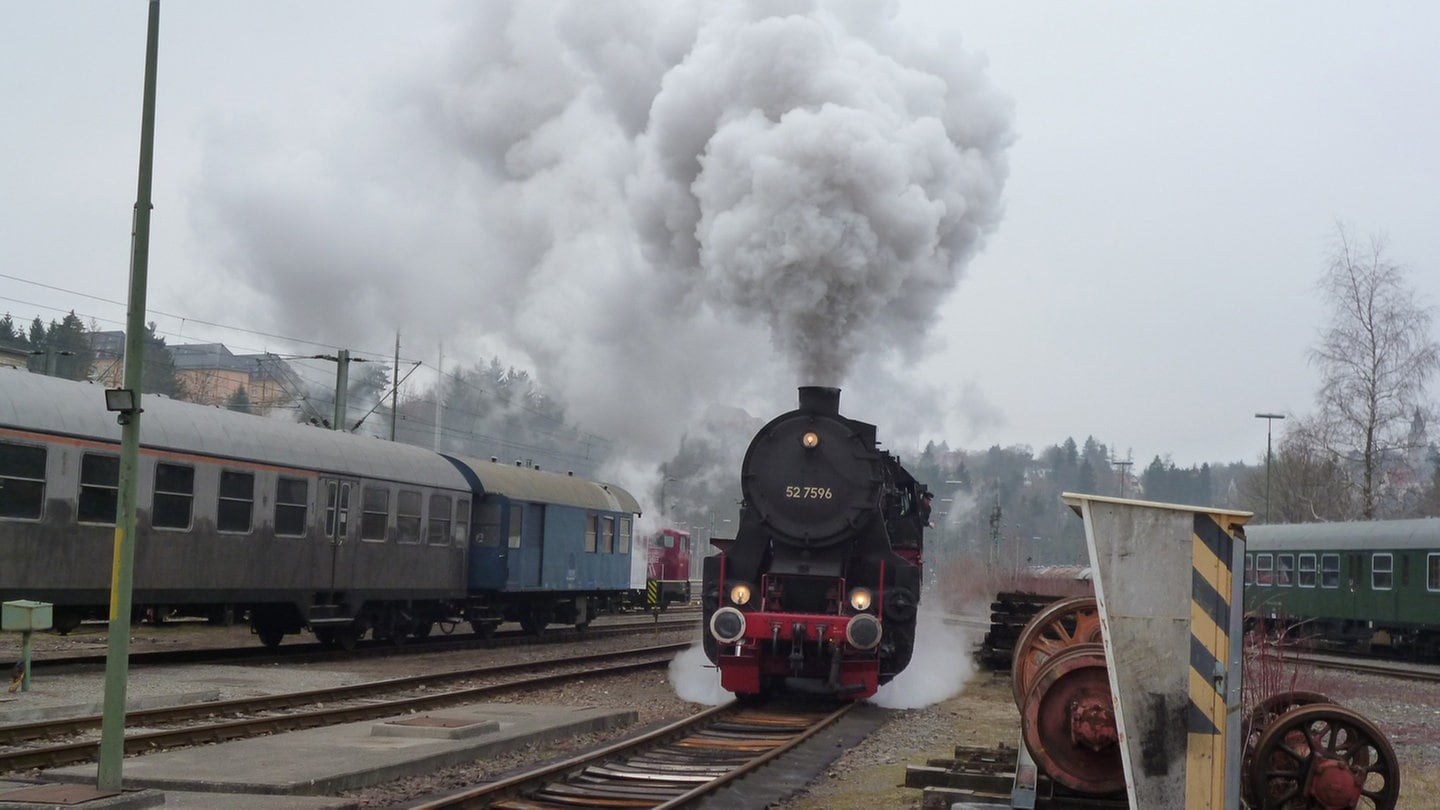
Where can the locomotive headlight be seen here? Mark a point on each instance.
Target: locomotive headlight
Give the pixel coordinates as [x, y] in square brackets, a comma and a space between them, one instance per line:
[727, 625]
[739, 593]
[863, 632]
[810, 440]
[861, 598]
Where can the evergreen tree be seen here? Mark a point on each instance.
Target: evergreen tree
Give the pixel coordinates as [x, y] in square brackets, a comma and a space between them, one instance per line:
[67, 351]
[239, 401]
[159, 375]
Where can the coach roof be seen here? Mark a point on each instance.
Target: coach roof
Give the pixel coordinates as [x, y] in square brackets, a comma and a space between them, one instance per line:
[33, 402]
[1379, 535]
[541, 486]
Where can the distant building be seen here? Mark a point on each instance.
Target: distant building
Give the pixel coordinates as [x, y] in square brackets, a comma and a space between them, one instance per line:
[109, 365]
[210, 372]
[273, 384]
[14, 356]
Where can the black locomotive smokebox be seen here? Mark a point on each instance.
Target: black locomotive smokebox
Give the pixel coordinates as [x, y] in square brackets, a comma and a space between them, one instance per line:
[811, 493]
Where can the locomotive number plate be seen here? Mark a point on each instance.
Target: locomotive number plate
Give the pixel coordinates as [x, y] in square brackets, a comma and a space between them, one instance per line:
[809, 493]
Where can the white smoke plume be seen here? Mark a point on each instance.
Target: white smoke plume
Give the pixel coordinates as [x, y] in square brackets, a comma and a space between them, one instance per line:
[654, 205]
[943, 663]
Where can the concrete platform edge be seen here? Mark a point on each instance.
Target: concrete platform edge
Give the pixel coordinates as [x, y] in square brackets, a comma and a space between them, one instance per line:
[365, 777]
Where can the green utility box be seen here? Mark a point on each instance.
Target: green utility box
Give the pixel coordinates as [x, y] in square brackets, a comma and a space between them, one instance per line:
[24, 614]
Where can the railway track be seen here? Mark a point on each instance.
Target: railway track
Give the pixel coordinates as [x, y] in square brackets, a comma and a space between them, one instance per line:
[1368, 666]
[247, 717]
[311, 652]
[666, 768]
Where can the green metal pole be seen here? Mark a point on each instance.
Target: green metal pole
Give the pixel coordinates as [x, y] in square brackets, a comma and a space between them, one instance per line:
[117, 656]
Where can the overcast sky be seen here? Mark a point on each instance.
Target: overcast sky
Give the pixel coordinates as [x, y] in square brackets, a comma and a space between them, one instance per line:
[1029, 223]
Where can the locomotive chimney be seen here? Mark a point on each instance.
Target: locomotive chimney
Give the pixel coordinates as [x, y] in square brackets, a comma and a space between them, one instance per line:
[820, 399]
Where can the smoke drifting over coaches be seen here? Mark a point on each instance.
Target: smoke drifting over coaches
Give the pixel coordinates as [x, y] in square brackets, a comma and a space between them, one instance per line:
[657, 205]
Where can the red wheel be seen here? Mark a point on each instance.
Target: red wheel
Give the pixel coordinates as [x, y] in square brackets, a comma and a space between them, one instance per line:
[1068, 721]
[1323, 756]
[1259, 720]
[1062, 624]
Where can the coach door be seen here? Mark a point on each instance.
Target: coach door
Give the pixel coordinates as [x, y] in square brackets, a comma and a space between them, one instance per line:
[339, 495]
[527, 547]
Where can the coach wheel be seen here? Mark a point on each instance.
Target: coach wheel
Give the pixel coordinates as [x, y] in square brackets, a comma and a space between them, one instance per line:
[422, 629]
[270, 636]
[1260, 719]
[397, 626]
[348, 636]
[1323, 755]
[64, 620]
[535, 620]
[1063, 624]
[326, 636]
[485, 630]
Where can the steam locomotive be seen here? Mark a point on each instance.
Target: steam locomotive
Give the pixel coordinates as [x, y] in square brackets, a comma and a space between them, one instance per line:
[819, 589]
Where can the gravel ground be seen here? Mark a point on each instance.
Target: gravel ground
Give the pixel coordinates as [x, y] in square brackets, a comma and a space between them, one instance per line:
[869, 776]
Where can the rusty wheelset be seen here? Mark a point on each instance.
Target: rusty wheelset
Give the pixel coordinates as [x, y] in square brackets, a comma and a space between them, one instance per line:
[1301, 750]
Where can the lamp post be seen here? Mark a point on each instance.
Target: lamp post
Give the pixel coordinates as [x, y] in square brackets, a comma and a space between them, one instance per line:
[664, 479]
[1269, 422]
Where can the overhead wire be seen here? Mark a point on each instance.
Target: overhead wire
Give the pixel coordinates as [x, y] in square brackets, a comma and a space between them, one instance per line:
[568, 432]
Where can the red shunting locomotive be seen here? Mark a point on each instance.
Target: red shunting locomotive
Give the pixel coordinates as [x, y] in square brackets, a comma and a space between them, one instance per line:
[819, 589]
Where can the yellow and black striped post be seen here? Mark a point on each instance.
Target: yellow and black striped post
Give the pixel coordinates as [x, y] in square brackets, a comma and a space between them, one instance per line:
[1214, 601]
[1170, 613]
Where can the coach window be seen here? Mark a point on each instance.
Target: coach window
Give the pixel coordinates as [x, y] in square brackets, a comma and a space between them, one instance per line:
[407, 518]
[99, 488]
[22, 481]
[174, 496]
[441, 511]
[236, 508]
[607, 535]
[1432, 572]
[462, 521]
[1382, 572]
[1264, 567]
[487, 519]
[1284, 570]
[292, 503]
[1329, 570]
[332, 506]
[374, 513]
[622, 545]
[517, 523]
[1307, 570]
[592, 524]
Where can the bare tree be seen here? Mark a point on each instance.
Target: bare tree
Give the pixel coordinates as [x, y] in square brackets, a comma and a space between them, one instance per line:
[1310, 483]
[1375, 358]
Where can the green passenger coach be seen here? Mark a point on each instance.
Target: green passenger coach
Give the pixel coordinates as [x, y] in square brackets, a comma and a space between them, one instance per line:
[1365, 585]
